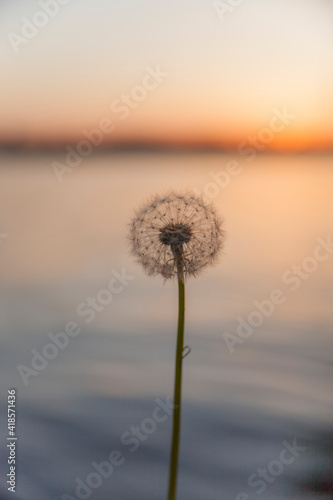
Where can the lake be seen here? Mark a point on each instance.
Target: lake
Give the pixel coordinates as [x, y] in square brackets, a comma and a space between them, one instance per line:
[257, 385]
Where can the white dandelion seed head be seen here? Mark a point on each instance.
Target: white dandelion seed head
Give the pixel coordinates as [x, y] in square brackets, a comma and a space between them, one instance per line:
[176, 230]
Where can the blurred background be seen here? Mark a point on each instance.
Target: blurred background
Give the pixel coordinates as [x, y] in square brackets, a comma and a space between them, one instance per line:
[103, 104]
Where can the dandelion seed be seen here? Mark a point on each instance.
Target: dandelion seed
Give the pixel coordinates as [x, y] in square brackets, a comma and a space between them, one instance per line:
[182, 224]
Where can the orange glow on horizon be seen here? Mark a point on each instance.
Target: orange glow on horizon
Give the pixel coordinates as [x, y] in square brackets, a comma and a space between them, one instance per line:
[220, 89]
[289, 142]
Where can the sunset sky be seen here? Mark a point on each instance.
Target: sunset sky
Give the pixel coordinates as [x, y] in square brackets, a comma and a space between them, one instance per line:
[224, 74]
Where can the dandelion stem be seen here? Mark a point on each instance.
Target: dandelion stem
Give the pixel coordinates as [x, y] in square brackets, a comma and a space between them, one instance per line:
[178, 384]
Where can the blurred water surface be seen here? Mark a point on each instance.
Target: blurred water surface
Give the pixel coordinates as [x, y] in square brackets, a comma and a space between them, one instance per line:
[63, 244]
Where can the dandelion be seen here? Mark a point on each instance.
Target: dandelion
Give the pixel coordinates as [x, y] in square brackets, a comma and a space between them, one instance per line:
[176, 236]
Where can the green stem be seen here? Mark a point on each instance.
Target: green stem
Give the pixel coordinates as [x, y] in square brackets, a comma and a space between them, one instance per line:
[177, 389]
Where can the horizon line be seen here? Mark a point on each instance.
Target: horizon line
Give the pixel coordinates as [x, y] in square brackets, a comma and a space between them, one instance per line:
[139, 146]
